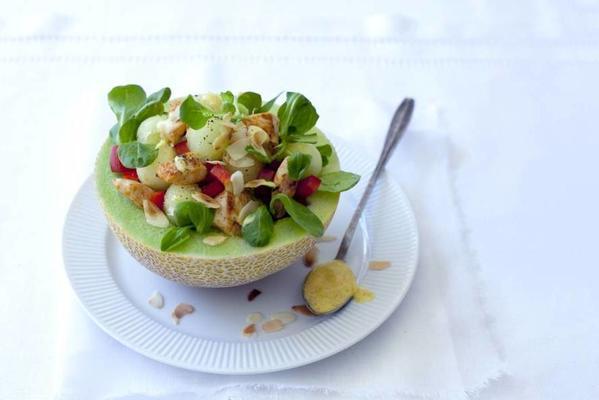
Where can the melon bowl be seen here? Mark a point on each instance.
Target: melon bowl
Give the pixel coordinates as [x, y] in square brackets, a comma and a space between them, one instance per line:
[194, 263]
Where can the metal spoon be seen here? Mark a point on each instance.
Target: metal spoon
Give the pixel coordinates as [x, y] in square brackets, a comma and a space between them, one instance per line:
[397, 128]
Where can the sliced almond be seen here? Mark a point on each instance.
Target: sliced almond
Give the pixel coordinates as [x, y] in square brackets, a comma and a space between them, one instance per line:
[222, 141]
[273, 325]
[303, 310]
[239, 132]
[310, 257]
[237, 150]
[326, 238]
[237, 183]
[205, 200]
[249, 330]
[254, 183]
[244, 162]
[154, 215]
[257, 136]
[286, 317]
[156, 300]
[379, 265]
[254, 317]
[249, 208]
[214, 240]
[180, 311]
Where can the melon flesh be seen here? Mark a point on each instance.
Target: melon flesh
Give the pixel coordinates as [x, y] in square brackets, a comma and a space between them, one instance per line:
[221, 263]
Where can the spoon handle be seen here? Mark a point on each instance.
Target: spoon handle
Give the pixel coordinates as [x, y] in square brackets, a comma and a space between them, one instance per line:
[398, 126]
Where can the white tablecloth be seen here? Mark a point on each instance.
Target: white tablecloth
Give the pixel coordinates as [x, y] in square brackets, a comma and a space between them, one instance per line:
[506, 95]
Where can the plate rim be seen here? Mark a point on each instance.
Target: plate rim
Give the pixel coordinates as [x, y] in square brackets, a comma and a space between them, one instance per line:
[296, 362]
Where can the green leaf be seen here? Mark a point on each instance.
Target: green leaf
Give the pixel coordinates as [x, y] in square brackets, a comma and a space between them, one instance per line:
[306, 138]
[174, 237]
[268, 105]
[149, 110]
[300, 214]
[192, 212]
[125, 100]
[258, 227]
[162, 95]
[128, 131]
[326, 151]
[194, 114]
[228, 102]
[114, 133]
[339, 181]
[258, 155]
[297, 115]
[250, 100]
[137, 155]
[297, 165]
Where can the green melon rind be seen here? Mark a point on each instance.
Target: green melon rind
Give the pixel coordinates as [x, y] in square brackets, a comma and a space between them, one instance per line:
[131, 221]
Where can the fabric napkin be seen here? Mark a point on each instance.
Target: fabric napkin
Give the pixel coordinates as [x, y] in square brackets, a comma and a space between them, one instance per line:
[436, 345]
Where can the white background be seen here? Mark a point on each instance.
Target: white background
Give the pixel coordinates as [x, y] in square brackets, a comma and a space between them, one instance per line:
[514, 84]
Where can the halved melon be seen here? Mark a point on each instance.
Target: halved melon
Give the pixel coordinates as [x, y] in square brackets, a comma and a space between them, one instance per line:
[194, 263]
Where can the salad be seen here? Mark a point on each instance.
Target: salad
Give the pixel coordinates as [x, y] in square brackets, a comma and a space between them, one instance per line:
[219, 162]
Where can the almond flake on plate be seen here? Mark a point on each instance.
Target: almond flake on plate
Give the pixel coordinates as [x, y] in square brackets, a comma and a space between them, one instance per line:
[214, 240]
[286, 317]
[379, 265]
[156, 300]
[273, 325]
[302, 309]
[249, 330]
[254, 317]
[310, 257]
[180, 311]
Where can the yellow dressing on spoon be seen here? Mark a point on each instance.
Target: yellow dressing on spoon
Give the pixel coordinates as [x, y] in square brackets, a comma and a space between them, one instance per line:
[330, 285]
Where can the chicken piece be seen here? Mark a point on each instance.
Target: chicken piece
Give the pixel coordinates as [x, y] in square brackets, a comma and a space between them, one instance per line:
[267, 121]
[135, 191]
[185, 169]
[226, 216]
[172, 131]
[285, 185]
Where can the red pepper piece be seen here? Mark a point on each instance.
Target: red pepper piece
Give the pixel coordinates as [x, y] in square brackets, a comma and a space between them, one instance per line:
[307, 186]
[115, 162]
[213, 188]
[158, 199]
[267, 174]
[181, 148]
[220, 173]
[131, 174]
[253, 294]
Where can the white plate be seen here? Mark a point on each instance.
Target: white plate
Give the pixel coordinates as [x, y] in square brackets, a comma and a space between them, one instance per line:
[114, 289]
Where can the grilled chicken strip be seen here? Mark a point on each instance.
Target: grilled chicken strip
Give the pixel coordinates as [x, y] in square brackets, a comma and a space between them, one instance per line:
[185, 169]
[133, 190]
[267, 121]
[226, 216]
